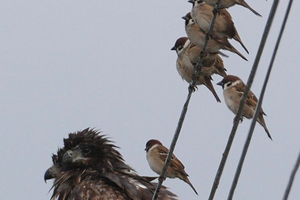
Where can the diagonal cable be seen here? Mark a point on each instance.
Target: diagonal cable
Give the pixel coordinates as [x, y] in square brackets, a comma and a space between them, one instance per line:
[258, 107]
[197, 71]
[291, 180]
[242, 103]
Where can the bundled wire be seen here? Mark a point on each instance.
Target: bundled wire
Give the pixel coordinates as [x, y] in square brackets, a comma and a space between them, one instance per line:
[191, 89]
[242, 103]
[258, 108]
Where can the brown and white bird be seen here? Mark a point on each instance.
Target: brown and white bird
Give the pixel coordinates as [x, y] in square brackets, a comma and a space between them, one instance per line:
[233, 90]
[229, 3]
[197, 36]
[89, 167]
[202, 13]
[156, 156]
[186, 68]
[212, 63]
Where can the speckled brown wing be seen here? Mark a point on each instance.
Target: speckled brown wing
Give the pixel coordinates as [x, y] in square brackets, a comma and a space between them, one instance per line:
[252, 100]
[193, 53]
[174, 163]
[229, 29]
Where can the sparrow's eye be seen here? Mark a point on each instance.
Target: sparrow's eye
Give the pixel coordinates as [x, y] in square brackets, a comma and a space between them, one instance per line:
[180, 47]
[229, 84]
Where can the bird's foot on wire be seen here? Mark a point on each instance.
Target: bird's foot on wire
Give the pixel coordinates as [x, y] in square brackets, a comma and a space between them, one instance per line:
[161, 179]
[193, 88]
[235, 119]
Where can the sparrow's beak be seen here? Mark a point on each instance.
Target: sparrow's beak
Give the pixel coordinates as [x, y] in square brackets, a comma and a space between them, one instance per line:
[185, 17]
[220, 83]
[173, 48]
[191, 1]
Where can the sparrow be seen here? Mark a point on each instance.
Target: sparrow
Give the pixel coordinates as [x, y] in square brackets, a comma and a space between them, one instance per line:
[156, 155]
[233, 90]
[229, 3]
[212, 62]
[202, 14]
[186, 68]
[197, 36]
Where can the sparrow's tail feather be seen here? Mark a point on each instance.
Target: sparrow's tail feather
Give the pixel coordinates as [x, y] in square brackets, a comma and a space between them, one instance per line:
[229, 47]
[267, 131]
[189, 182]
[210, 86]
[261, 121]
[243, 3]
[239, 40]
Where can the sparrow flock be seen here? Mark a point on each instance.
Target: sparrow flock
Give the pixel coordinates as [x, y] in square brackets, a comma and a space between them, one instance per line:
[189, 49]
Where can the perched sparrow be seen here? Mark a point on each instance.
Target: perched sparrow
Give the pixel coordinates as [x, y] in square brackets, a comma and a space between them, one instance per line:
[212, 62]
[156, 155]
[229, 3]
[186, 68]
[202, 14]
[234, 89]
[197, 36]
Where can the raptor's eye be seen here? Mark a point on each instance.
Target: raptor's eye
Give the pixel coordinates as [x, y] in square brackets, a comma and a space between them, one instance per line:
[85, 150]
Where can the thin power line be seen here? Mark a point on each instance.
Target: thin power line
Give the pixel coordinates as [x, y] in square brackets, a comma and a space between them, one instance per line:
[289, 186]
[185, 107]
[258, 108]
[242, 103]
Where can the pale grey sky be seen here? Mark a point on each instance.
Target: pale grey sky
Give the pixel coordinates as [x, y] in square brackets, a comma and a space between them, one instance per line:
[68, 65]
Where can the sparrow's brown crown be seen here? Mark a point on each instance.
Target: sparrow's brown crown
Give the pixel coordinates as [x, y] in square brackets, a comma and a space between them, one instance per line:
[228, 78]
[179, 43]
[151, 143]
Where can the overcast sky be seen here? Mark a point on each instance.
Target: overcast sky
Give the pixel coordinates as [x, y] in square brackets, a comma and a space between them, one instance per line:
[69, 65]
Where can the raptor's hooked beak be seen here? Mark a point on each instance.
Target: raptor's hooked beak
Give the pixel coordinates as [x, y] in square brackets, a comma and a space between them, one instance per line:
[50, 173]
